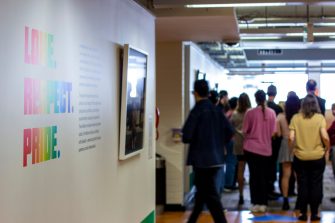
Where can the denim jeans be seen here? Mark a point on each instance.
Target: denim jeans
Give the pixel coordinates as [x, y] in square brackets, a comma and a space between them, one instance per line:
[231, 161]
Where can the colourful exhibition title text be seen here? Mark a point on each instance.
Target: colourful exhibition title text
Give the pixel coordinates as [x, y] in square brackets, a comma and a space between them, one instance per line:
[40, 145]
[46, 97]
[38, 48]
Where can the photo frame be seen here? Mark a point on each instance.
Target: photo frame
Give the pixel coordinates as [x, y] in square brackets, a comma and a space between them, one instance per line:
[133, 98]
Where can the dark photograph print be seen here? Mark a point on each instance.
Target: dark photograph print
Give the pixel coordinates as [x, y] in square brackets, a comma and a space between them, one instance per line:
[132, 124]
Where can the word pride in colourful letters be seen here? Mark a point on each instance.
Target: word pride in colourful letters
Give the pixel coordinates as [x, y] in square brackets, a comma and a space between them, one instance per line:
[46, 97]
[38, 48]
[40, 144]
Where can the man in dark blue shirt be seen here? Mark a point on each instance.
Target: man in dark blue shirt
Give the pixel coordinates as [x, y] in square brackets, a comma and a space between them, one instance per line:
[206, 130]
[311, 89]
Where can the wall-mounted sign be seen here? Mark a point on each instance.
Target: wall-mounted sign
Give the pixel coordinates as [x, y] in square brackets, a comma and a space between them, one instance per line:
[269, 52]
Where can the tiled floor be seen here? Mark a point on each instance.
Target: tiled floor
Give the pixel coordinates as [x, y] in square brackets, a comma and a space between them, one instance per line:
[230, 200]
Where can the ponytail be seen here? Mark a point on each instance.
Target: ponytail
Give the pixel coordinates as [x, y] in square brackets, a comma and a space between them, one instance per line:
[260, 99]
[263, 110]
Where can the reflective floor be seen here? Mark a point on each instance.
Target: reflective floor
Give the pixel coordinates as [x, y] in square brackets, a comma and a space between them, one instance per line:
[245, 217]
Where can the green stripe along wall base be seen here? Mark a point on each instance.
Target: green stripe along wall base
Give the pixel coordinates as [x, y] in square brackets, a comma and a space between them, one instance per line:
[150, 218]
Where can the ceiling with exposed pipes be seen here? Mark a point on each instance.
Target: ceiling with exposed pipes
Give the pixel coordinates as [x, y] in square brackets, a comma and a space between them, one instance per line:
[252, 36]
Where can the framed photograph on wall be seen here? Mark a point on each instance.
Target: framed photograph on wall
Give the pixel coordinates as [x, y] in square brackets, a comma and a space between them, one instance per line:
[133, 93]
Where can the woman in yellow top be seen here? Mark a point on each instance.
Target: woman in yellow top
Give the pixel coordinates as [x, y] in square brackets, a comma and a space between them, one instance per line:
[308, 136]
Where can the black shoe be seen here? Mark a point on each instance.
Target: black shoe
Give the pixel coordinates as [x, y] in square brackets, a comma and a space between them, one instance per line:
[286, 205]
[315, 218]
[241, 201]
[302, 217]
[332, 199]
[292, 194]
[297, 206]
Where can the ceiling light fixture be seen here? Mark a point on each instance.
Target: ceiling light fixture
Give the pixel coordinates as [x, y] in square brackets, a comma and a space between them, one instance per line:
[324, 24]
[236, 5]
[315, 34]
[261, 25]
[259, 37]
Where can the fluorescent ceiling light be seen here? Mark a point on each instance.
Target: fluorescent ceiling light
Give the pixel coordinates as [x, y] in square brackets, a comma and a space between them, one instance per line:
[236, 5]
[315, 34]
[237, 57]
[295, 72]
[259, 37]
[260, 25]
[324, 34]
[278, 61]
[274, 24]
[324, 24]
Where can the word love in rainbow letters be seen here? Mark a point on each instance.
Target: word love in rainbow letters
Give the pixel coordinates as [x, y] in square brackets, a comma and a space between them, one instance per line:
[38, 48]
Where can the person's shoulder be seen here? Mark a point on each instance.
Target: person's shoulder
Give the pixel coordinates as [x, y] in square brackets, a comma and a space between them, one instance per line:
[251, 110]
[270, 110]
[296, 117]
[321, 100]
[319, 116]
[281, 116]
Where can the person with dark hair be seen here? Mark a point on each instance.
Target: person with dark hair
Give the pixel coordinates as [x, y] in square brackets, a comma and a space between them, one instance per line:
[223, 101]
[259, 125]
[309, 138]
[285, 157]
[206, 130]
[237, 122]
[275, 144]
[272, 93]
[230, 158]
[232, 106]
[213, 97]
[311, 89]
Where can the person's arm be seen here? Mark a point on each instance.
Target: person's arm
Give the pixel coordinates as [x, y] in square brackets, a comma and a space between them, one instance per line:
[291, 139]
[189, 128]
[245, 126]
[228, 129]
[279, 125]
[331, 129]
[325, 138]
[324, 134]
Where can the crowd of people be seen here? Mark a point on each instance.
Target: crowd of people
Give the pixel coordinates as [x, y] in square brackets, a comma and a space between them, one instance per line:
[229, 133]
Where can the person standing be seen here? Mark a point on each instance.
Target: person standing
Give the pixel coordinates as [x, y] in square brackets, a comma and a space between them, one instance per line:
[230, 158]
[206, 130]
[223, 101]
[308, 136]
[258, 127]
[285, 157]
[275, 144]
[311, 89]
[237, 122]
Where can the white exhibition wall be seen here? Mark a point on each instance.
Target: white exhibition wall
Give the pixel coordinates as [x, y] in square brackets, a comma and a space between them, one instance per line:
[60, 69]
